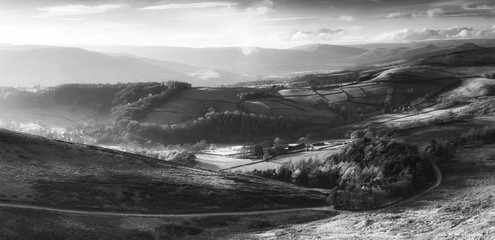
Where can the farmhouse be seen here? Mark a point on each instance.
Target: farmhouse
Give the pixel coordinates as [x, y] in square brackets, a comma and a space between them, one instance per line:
[295, 147]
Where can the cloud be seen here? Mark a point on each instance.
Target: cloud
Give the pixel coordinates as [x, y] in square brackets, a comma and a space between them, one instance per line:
[260, 8]
[430, 13]
[456, 32]
[68, 10]
[479, 7]
[396, 15]
[435, 12]
[322, 34]
[346, 18]
[190, 5]
[296, 19]
[445, 11]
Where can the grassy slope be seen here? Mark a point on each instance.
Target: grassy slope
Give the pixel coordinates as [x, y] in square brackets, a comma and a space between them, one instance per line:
[38, 171]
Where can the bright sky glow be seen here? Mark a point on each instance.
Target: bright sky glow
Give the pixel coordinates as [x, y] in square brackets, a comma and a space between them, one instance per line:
[264, 23]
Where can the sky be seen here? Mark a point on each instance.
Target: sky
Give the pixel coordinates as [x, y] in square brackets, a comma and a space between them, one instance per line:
[246, 23]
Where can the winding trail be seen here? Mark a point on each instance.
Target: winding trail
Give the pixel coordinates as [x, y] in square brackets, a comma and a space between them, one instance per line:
[262, 212]
[437, 183]
[187, 215]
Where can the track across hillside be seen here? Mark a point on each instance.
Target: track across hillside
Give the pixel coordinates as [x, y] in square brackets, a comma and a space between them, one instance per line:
[247, 213]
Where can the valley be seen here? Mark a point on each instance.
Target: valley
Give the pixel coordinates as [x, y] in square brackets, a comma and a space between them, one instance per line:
[329, 154]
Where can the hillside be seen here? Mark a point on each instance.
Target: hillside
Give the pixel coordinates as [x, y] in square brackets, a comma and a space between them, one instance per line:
[466, 55]
[462, 207]
[445, 51]
[412, 53]
[48, 173]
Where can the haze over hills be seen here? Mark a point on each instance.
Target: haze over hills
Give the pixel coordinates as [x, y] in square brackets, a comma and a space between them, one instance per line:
[26, 66]
[249, 60]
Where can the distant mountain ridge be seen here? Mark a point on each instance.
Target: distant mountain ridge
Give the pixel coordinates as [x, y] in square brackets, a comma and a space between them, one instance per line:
[24, 66]
[29, 65]
[247, 60]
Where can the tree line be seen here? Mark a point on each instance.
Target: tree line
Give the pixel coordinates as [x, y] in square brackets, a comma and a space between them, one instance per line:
[227, 126]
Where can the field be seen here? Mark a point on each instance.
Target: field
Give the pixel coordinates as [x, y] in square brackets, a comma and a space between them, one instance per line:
[442, 131]
[393, 87]
[217, 162]
[470, 88]
[225, 159]
[330, 105]
[278, 161]
[194, 103]
[285, 107]
[43, 172]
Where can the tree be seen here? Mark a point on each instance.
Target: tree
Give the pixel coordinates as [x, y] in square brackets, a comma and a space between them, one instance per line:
[354, 135]
[368, 134]
[280, 145]
[213, 147]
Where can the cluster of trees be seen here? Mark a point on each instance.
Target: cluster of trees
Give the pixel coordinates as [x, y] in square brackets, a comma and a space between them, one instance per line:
[225, 126]
[124, 100]
[94, 96]
[367, 164]
[156, 95]
[490, 75]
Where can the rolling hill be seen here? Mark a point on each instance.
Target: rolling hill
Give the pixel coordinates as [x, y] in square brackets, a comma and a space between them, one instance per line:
[41, 172]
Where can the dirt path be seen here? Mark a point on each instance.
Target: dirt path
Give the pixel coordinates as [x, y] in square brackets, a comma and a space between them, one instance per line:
[120, 214]
[438, 181]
